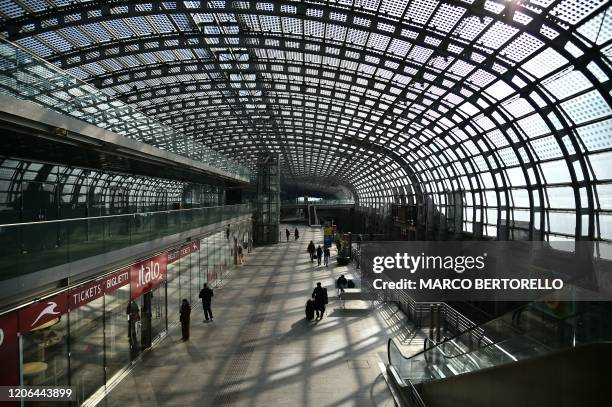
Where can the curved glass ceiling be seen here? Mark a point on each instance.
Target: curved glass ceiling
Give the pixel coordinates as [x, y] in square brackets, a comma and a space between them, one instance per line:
[500, 106]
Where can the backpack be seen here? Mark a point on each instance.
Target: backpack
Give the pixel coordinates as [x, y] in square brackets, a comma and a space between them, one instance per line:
[325, 298]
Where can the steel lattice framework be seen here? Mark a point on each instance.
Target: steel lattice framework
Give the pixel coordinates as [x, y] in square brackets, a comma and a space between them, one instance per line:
[505, 104]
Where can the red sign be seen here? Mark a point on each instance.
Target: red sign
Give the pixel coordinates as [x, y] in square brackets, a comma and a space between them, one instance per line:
[116, 280]
[147, 275]
[85, 293]
[42, 312]
[186, 250]
[9, 350]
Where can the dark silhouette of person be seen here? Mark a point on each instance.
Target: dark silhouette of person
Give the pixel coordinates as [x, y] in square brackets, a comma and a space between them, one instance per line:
[287, 233]
[133, 313]
[311, 250]
[206, 295]
[185, 319]
[296, 233]
[319, 255]
[320, 298]
[341, 283]
[326, 255]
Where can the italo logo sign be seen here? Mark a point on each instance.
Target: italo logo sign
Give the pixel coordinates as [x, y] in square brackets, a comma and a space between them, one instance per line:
[42, 312]
[147, 275]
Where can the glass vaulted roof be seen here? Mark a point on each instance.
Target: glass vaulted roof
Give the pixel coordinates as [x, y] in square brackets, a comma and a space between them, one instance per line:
[498, 108]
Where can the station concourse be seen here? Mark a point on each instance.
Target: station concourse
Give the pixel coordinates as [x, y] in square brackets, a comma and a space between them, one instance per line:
[149, 148]
[261, 351]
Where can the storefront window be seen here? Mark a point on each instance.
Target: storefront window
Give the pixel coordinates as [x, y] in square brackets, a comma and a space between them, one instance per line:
[185, 278]
[117, 335]
[158, 311]
[87, 348]
[45, 354]
[174, 291]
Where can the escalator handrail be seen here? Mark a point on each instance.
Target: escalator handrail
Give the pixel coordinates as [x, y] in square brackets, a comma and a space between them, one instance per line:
[407, 383]
[473, 328]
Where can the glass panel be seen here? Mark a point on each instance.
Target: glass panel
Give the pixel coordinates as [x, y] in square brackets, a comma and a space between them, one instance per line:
[87, 348]
[36, 246]
[116, 340]
[45, 355]
[158, 311]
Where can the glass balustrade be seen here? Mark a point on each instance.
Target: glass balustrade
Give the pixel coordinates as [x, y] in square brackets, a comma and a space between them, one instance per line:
[25, 76]
[29, 247]
[529, 331]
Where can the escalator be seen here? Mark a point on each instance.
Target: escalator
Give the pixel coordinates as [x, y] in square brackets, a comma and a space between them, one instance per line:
[528, 357]
[313, 220]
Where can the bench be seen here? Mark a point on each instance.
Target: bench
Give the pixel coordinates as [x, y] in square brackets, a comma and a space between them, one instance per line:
[356, 294]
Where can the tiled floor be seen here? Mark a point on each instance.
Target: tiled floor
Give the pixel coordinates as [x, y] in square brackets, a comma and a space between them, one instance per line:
[260, 351]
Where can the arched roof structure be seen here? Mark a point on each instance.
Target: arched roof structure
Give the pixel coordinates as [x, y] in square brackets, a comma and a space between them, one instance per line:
[503, 106]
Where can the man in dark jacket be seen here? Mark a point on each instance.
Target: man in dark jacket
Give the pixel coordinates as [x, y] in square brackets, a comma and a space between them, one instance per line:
[320, 298]
[296, 234]
[326, 255]
[311, 250]
[206, 295]
[319, 254]
[287, 233]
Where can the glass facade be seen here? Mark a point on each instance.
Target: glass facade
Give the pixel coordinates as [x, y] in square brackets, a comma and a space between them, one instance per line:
[99, 331]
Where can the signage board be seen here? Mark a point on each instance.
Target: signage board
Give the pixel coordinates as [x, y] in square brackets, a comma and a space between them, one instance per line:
[147, 275]
[42, 312]
[86, 293]
[185, 250]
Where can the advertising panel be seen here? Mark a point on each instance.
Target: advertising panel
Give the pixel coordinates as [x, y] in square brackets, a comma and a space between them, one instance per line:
[328, 233]
[147, 275]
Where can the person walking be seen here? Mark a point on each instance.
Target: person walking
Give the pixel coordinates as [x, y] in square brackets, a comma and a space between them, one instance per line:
[287, 233]
[311, 250]
[185, 319]
[296, 233]
[320, 298]
[326, 255]
[206, 295]
[240, 254]
[341, 283]
[319, 255]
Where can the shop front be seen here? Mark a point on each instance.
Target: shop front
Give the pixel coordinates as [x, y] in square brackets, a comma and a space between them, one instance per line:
[84, 335]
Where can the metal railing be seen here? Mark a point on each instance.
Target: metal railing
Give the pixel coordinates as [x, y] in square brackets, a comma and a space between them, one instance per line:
[27, 77]
[321, 202]
[29, 247]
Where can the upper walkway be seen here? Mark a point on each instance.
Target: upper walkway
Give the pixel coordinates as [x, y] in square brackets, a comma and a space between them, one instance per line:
[260, 351]
[324, 204]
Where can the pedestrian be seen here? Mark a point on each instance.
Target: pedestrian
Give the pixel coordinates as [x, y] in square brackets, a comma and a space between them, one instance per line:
[320, 298]
[341, 283]
[326, 255]
[319, 255]
[185, 318]
[133, 313]
[206, 295]
[287, 233]
[240, 254]
[296, 233]
[311, 250]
